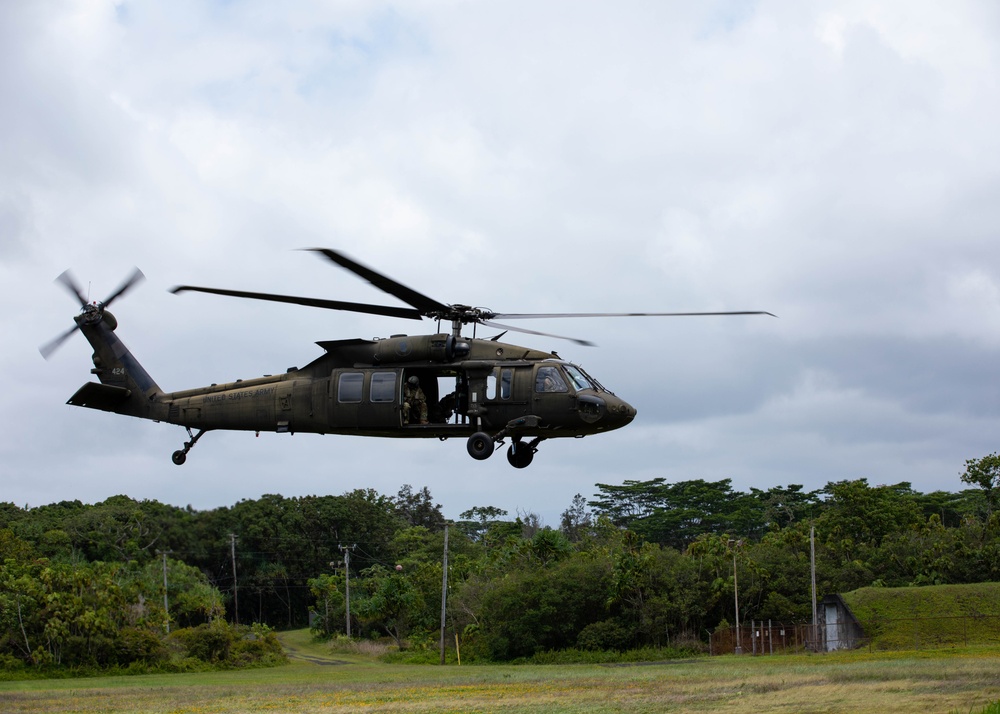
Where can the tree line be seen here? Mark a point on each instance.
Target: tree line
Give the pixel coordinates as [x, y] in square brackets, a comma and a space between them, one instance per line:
[639, 564]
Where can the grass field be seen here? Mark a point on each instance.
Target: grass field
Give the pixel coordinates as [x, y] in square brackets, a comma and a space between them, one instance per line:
[957, 680]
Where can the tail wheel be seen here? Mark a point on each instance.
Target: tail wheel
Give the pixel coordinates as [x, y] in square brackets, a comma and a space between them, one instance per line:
[180, 456]
[480, 446]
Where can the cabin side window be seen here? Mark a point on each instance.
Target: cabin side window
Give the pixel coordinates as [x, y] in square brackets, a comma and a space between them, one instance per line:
[499, 384]
[349, 387]
[383, 387]
[506, 380]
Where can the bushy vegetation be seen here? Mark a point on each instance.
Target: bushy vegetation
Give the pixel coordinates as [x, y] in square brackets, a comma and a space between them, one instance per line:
[642, 564]
[79, 616]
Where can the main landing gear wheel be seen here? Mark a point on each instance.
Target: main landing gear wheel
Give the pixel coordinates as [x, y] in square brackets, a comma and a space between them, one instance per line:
[520, 455]
[480, 446]
[179, 457]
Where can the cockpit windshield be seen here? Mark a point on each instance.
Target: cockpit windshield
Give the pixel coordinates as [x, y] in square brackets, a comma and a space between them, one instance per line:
[579, 377]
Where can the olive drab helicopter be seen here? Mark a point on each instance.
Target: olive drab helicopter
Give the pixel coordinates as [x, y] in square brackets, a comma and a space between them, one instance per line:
[442, 386]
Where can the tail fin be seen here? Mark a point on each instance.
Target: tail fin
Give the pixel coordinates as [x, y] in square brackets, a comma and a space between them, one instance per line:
[125, 386]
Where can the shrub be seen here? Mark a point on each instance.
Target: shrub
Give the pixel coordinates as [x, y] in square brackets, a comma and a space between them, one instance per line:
[209, 642]
[142, 646]
[230, 645]
[605, 635]
[10, 663]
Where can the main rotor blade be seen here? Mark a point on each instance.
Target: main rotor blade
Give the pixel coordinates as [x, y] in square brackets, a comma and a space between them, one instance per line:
[66, 278]
[531, 316]
[49, 347]
[403, 312]
[427, 306]
[134, 279]
[490, 323]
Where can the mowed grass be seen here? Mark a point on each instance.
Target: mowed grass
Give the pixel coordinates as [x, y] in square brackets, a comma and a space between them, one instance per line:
[928, 681]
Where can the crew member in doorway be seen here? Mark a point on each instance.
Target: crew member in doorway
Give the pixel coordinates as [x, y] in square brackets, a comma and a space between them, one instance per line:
[414, 402]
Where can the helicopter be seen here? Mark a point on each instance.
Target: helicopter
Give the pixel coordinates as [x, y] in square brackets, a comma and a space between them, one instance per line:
[443, 385]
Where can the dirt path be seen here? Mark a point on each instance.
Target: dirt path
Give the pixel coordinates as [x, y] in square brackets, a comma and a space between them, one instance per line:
[296, 655]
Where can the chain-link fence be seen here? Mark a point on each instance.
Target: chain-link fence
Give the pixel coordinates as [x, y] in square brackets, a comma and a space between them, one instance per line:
[762, 638]
[910, 633]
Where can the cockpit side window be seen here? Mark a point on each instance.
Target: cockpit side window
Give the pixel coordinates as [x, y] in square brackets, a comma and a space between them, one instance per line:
[548, 379]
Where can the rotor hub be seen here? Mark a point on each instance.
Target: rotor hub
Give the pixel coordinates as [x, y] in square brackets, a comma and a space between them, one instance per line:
[92, 313]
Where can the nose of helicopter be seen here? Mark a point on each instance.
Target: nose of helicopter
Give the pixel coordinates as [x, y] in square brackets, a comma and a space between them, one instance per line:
[604, 412]
[620, 413]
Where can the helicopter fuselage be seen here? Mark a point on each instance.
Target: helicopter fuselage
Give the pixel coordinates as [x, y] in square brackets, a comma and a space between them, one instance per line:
[467, 387]
[358, 388]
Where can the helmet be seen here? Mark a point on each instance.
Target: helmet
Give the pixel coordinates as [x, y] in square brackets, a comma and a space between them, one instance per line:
[413, 381]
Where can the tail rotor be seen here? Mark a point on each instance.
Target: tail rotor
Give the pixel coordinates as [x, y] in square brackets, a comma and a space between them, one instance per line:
[90, 313]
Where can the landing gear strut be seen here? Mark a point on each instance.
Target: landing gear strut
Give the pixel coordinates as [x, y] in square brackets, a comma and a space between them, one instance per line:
[180, 456]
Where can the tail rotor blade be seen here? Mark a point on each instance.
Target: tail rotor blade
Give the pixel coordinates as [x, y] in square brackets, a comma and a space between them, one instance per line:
[49, 347]
[66, 279]
[134, 279]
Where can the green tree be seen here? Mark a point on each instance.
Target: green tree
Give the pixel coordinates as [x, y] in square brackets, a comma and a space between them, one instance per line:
[629, 502]
[191, 598]
[783, 506]
[985, 473]
[418, 508]
[330, 603]
[576, 521]
[391, 603]
[477, 521]
[858, 517]
[537, 609]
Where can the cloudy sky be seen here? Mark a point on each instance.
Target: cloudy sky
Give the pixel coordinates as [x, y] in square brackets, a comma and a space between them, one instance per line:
[835, 163]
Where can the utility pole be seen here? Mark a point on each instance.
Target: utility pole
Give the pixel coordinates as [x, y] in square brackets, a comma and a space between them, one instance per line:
[444, 590]
[812, 563]
[736, 598]
[236, 591]
[734, 544]
[347, 588]
[166, 606]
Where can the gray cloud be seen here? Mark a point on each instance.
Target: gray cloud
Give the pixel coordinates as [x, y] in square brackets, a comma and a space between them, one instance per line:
[832, 166]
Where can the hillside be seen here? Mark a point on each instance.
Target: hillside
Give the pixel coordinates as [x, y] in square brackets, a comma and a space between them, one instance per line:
[928, 617]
